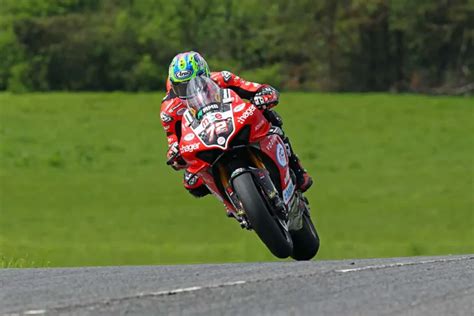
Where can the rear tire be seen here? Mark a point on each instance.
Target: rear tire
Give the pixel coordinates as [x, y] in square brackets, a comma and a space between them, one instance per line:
[275, 237]
[305, 240]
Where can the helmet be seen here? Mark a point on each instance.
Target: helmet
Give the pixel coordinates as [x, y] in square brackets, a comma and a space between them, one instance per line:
[183, 68]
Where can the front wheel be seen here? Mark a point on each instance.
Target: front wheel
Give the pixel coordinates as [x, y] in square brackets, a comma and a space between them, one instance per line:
[274, 236]
[305, 240]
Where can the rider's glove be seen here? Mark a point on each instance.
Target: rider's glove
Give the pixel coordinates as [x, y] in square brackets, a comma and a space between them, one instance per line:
[266, 97]
[174, 157]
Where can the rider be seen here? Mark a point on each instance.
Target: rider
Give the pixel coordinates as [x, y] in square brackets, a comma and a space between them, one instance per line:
[182, 69]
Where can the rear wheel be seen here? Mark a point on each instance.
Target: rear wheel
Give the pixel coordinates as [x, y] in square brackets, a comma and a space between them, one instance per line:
[273, 234]
[305, 240]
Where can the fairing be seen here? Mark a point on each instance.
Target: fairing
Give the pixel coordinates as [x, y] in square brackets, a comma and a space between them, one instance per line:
[218, 131]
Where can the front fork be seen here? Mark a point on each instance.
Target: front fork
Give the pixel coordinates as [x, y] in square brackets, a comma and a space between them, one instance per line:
[239, 213]
[262, 178]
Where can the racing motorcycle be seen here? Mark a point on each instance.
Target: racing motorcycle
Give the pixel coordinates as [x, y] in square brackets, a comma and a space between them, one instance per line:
[243, 161]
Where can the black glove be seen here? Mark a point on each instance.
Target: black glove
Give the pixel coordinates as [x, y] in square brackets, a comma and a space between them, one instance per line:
[266, 97]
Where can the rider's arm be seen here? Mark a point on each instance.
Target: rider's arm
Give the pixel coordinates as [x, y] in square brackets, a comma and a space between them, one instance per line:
[252, 91]
[227, 80]
[171, 114]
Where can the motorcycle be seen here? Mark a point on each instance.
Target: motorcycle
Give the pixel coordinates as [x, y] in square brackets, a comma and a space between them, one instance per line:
[243, 161]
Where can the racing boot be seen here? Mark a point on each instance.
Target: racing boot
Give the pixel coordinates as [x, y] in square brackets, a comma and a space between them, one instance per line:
[303, 179]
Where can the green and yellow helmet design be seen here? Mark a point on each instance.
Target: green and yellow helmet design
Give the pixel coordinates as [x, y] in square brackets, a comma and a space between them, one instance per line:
[186, 66]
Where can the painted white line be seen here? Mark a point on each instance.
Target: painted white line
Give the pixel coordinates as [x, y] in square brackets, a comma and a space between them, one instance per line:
[171, 292]
[152, 294]
[189, 289]
[235, 283]
[35, 312]
[400, 264]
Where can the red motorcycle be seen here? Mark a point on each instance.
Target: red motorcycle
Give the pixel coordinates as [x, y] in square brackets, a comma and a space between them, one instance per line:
[244, 163]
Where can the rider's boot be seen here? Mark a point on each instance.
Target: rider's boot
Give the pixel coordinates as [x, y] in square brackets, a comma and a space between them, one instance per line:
[303, 179]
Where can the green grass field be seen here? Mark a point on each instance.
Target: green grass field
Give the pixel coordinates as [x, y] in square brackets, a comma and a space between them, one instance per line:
[83, 180]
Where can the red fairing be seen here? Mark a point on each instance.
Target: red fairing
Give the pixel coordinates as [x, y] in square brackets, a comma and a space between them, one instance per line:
[209, 181]
[242, 114]
[172, 108]
[217, 131]
[273, 147]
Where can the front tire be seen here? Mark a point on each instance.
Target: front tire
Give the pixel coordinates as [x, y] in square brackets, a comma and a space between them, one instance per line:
[274, 236]
[305, 240]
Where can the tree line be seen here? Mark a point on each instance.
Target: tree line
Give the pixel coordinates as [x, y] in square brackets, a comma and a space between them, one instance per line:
[324, 45]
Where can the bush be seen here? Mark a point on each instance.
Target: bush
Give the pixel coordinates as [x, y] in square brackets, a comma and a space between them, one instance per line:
[19, 81]
[145, 76]
[272, 75]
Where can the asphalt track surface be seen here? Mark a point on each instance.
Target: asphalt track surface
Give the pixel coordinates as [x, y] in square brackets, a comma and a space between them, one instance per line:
[397, 286]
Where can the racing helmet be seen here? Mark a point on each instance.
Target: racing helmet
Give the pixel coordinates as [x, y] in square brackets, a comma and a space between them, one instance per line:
[183, 68]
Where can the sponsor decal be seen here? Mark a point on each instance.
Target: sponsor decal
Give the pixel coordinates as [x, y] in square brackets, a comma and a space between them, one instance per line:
[288, 192]
[226, 96]
[166, 128]
[239, 108]
[249, 112]
[259, 125]
[181, 111]
[187, 118]
[218, 116]
[226, 75]
[189, 148]
[271, 143]
[182, 74]
[221, 140]
[205, 122]
[189, 137]
[210, 107]
[281, 155]
[165, 118]
[170, 139]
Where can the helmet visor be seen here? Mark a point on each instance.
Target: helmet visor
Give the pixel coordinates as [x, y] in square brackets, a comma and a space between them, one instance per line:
[180, 89]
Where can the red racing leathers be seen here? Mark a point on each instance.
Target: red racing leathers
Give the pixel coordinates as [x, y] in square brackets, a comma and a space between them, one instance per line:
[172, 109]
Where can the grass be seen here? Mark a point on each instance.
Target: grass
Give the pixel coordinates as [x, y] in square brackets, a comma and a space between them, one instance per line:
[83, 180]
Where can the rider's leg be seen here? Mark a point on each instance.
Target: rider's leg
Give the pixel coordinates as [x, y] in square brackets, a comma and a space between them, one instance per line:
[194, 184]
[303, 179]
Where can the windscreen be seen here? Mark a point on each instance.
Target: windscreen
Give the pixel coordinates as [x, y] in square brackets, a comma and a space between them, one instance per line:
[202, 92]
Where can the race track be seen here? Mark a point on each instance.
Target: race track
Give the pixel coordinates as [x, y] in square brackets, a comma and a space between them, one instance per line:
[398, 286]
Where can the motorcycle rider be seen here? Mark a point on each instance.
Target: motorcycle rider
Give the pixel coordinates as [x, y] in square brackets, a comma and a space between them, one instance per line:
[188, 65]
